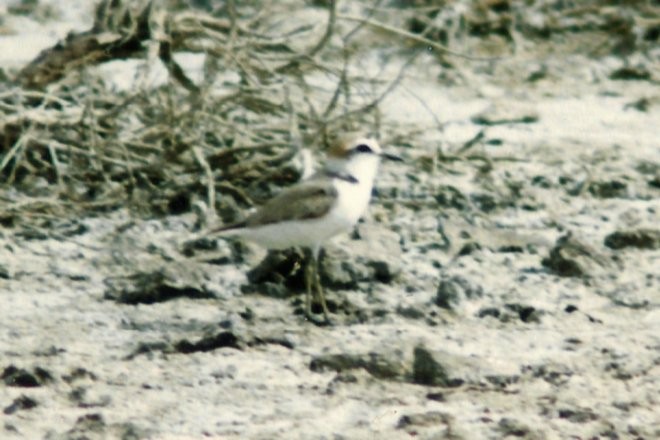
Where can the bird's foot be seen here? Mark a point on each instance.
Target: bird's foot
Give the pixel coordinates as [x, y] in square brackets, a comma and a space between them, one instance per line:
[318, 321]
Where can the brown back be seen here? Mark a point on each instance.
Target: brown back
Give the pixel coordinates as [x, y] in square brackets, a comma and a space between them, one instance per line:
[307, 200]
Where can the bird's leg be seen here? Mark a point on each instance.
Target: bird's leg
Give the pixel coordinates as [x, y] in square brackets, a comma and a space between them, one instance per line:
[312, 277]
[317, 284]
[308, 286]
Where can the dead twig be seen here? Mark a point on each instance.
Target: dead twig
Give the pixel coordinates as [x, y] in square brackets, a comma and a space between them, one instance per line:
[376, 101]
[293, 63]
[210, 187]
[414, 37]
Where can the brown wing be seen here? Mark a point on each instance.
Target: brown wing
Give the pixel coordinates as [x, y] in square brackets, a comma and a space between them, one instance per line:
[306, 200]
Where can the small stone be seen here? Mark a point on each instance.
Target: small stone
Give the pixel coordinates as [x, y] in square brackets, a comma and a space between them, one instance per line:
[448, 196]
[426, 370]
[410, 312]
[509, 427]
[454, 290]
[431, 418]
[280, 267]
[19, 377]
[372, 258]
[376, 364]
[89, 422]
[578, 415]
[608, 189]
[639, 238]
[506, 113]
[20, 403]
[525, 313]
[208, 343]
[4, 272]
[162, 284]
[630, 73]
[572, 258]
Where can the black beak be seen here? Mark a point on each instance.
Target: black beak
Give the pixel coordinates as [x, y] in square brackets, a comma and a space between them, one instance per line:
[392, 157]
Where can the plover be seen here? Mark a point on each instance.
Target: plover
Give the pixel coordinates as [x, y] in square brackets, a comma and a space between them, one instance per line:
[316, 209]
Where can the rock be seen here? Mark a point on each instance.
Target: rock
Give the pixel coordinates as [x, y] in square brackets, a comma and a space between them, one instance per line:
[280, 274]
[542, 182]
[489, 311]
[410, 312]
[524, 312]
[339, 270]
[449, 196]
[484, 201]
[89, 397]
[502, 380]
[506, 113]
[212, 251]
[638, 238]
[641, 104]
[554, 373]
[536, 72]
[431, 418]
[468, 248]
[78, 374]
[629, 73]
[366, 260]
[162, 284]
[608, 189]
[372, 258]
[654, 182]
[572, 258]
[20, 403]
[378, 365]
[509, 427]
[454, 290]
[19, 377]
[208, 343]
[512, 312]
[4, 272]
[88, 424]
[577, 415]
[426, 370]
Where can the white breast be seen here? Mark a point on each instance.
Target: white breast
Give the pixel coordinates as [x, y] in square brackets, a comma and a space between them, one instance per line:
[353, 201]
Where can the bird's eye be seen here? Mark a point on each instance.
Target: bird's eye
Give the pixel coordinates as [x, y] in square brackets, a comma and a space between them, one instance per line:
[364, 148]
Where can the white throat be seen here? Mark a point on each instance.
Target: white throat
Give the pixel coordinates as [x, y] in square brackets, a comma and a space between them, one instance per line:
[354, 183]
[362, 168]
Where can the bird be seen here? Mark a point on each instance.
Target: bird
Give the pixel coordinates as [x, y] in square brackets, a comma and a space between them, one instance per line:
[316, 209]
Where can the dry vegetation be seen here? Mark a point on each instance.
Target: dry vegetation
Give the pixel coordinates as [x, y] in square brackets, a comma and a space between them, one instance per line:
[69, 144]
[72, 145]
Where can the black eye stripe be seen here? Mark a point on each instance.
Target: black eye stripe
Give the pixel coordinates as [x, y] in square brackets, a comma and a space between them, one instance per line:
[364, 148]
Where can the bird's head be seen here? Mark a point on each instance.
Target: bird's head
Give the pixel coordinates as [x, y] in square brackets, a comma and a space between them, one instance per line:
[358, 156]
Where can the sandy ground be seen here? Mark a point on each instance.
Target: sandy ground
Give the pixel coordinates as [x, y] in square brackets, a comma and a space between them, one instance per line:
[468, 335]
